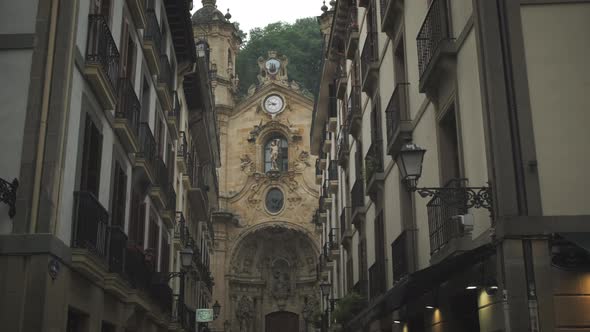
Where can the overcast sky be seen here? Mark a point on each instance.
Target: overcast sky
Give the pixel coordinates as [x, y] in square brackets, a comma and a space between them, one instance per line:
[258, 13]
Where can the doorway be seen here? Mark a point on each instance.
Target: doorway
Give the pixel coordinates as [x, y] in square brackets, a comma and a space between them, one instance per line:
[282, 321]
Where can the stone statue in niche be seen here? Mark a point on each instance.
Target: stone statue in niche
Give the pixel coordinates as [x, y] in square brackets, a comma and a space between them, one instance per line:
[281, 279]
[274, 154]
[245, 313]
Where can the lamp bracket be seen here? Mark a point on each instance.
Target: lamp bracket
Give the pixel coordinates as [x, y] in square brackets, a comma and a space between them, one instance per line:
[463, 197]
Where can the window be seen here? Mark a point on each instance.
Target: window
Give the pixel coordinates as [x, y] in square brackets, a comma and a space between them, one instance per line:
[160, 130]
[153, 238]
[119, 196]
[276, 154]
[449, 146]
[399, 63]
[164, 265]
[137, 220]
[145, 100]
[91, 158]
[127, 55]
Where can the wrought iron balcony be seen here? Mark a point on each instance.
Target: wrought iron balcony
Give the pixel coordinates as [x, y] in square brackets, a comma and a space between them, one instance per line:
[173, 116]
[8, 195]
[391, 16]
[126, 122]
[102, 61]
[352, 31]
[345, 225]
[161, 292]
[333, 176]
[377, 283]
[434, 41]
[165, 85]
[333, 242]
[399, 254]
[152, 42]
[370, 62]
[395, 114]
[182, 152]
[146, 156]
[353, 112]
[343, 147]
[117, 249]
[374, 167]
[91, 222]
[171, 195]
[357, 197]
[447, 202]
[138, 270]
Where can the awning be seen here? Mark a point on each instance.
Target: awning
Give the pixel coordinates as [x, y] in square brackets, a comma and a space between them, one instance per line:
[418, 284]
[581, 239]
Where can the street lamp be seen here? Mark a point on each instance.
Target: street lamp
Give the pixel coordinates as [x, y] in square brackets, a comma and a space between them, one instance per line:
[410, 161]
[216, 309]
[325, 288]
[186, 257]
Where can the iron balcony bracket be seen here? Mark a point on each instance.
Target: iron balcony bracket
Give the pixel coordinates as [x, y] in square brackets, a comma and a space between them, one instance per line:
[461, 197]
[8, 195]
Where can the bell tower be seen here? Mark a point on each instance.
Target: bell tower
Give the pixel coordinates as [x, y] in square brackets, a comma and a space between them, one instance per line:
[214, 28]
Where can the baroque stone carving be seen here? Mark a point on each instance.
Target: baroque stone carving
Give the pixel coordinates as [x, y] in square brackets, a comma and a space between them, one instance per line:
[245, 313]
[247, 164]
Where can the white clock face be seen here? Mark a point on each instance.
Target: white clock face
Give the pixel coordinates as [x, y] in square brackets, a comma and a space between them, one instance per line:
[273, 104]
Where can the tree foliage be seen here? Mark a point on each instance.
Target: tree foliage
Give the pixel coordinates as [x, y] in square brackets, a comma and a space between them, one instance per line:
[300, 42]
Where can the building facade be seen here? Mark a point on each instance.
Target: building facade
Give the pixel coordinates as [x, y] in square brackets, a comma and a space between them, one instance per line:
[491, 232]
[107, 111]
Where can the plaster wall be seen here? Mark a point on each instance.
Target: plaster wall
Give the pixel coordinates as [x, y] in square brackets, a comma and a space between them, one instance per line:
[559, 119]
[425, 136]
[470, 123]
[19, 17]
[14, 83]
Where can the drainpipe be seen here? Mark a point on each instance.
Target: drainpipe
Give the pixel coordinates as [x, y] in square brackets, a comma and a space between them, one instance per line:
[44, 115]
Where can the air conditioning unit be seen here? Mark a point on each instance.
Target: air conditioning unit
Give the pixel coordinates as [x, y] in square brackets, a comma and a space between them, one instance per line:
[466, 220]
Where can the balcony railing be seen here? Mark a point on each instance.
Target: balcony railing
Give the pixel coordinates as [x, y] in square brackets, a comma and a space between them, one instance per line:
[333, 239]
[352, 28]
[353, 111]
[117, 249]
[161, 174]
[152, 32]
[376, 279]
[399, 254]
[138, 270]
[369, 53]
[357, 194]
[165, 76]
[182, 145]
[91, 221]
[373, 161]
[147, 144]
[129, 107]
[343, 147]
[333, 170]
[161, 292]
[361, 288]
[171, 195]
[175, 111]
[434, 31]
[101, 48]
[450, 201]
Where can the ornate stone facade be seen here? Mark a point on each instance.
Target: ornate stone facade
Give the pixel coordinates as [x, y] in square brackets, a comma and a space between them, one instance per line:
[266, 248]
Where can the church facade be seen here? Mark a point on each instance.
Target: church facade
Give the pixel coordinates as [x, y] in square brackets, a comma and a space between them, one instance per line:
[265, 246]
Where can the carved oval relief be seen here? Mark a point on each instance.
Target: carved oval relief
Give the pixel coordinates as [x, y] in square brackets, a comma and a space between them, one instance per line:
[275, 200]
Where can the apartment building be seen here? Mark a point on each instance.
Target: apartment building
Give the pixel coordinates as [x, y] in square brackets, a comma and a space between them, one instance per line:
[106, 114]
[446, 201]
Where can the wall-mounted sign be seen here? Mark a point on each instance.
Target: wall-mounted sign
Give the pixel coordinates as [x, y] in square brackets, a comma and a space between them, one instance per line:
[204, 315]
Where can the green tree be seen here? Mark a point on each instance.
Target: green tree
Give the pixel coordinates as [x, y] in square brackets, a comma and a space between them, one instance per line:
[300, 41]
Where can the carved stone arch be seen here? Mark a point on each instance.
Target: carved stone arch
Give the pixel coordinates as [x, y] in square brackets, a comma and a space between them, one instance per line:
[239, 243]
